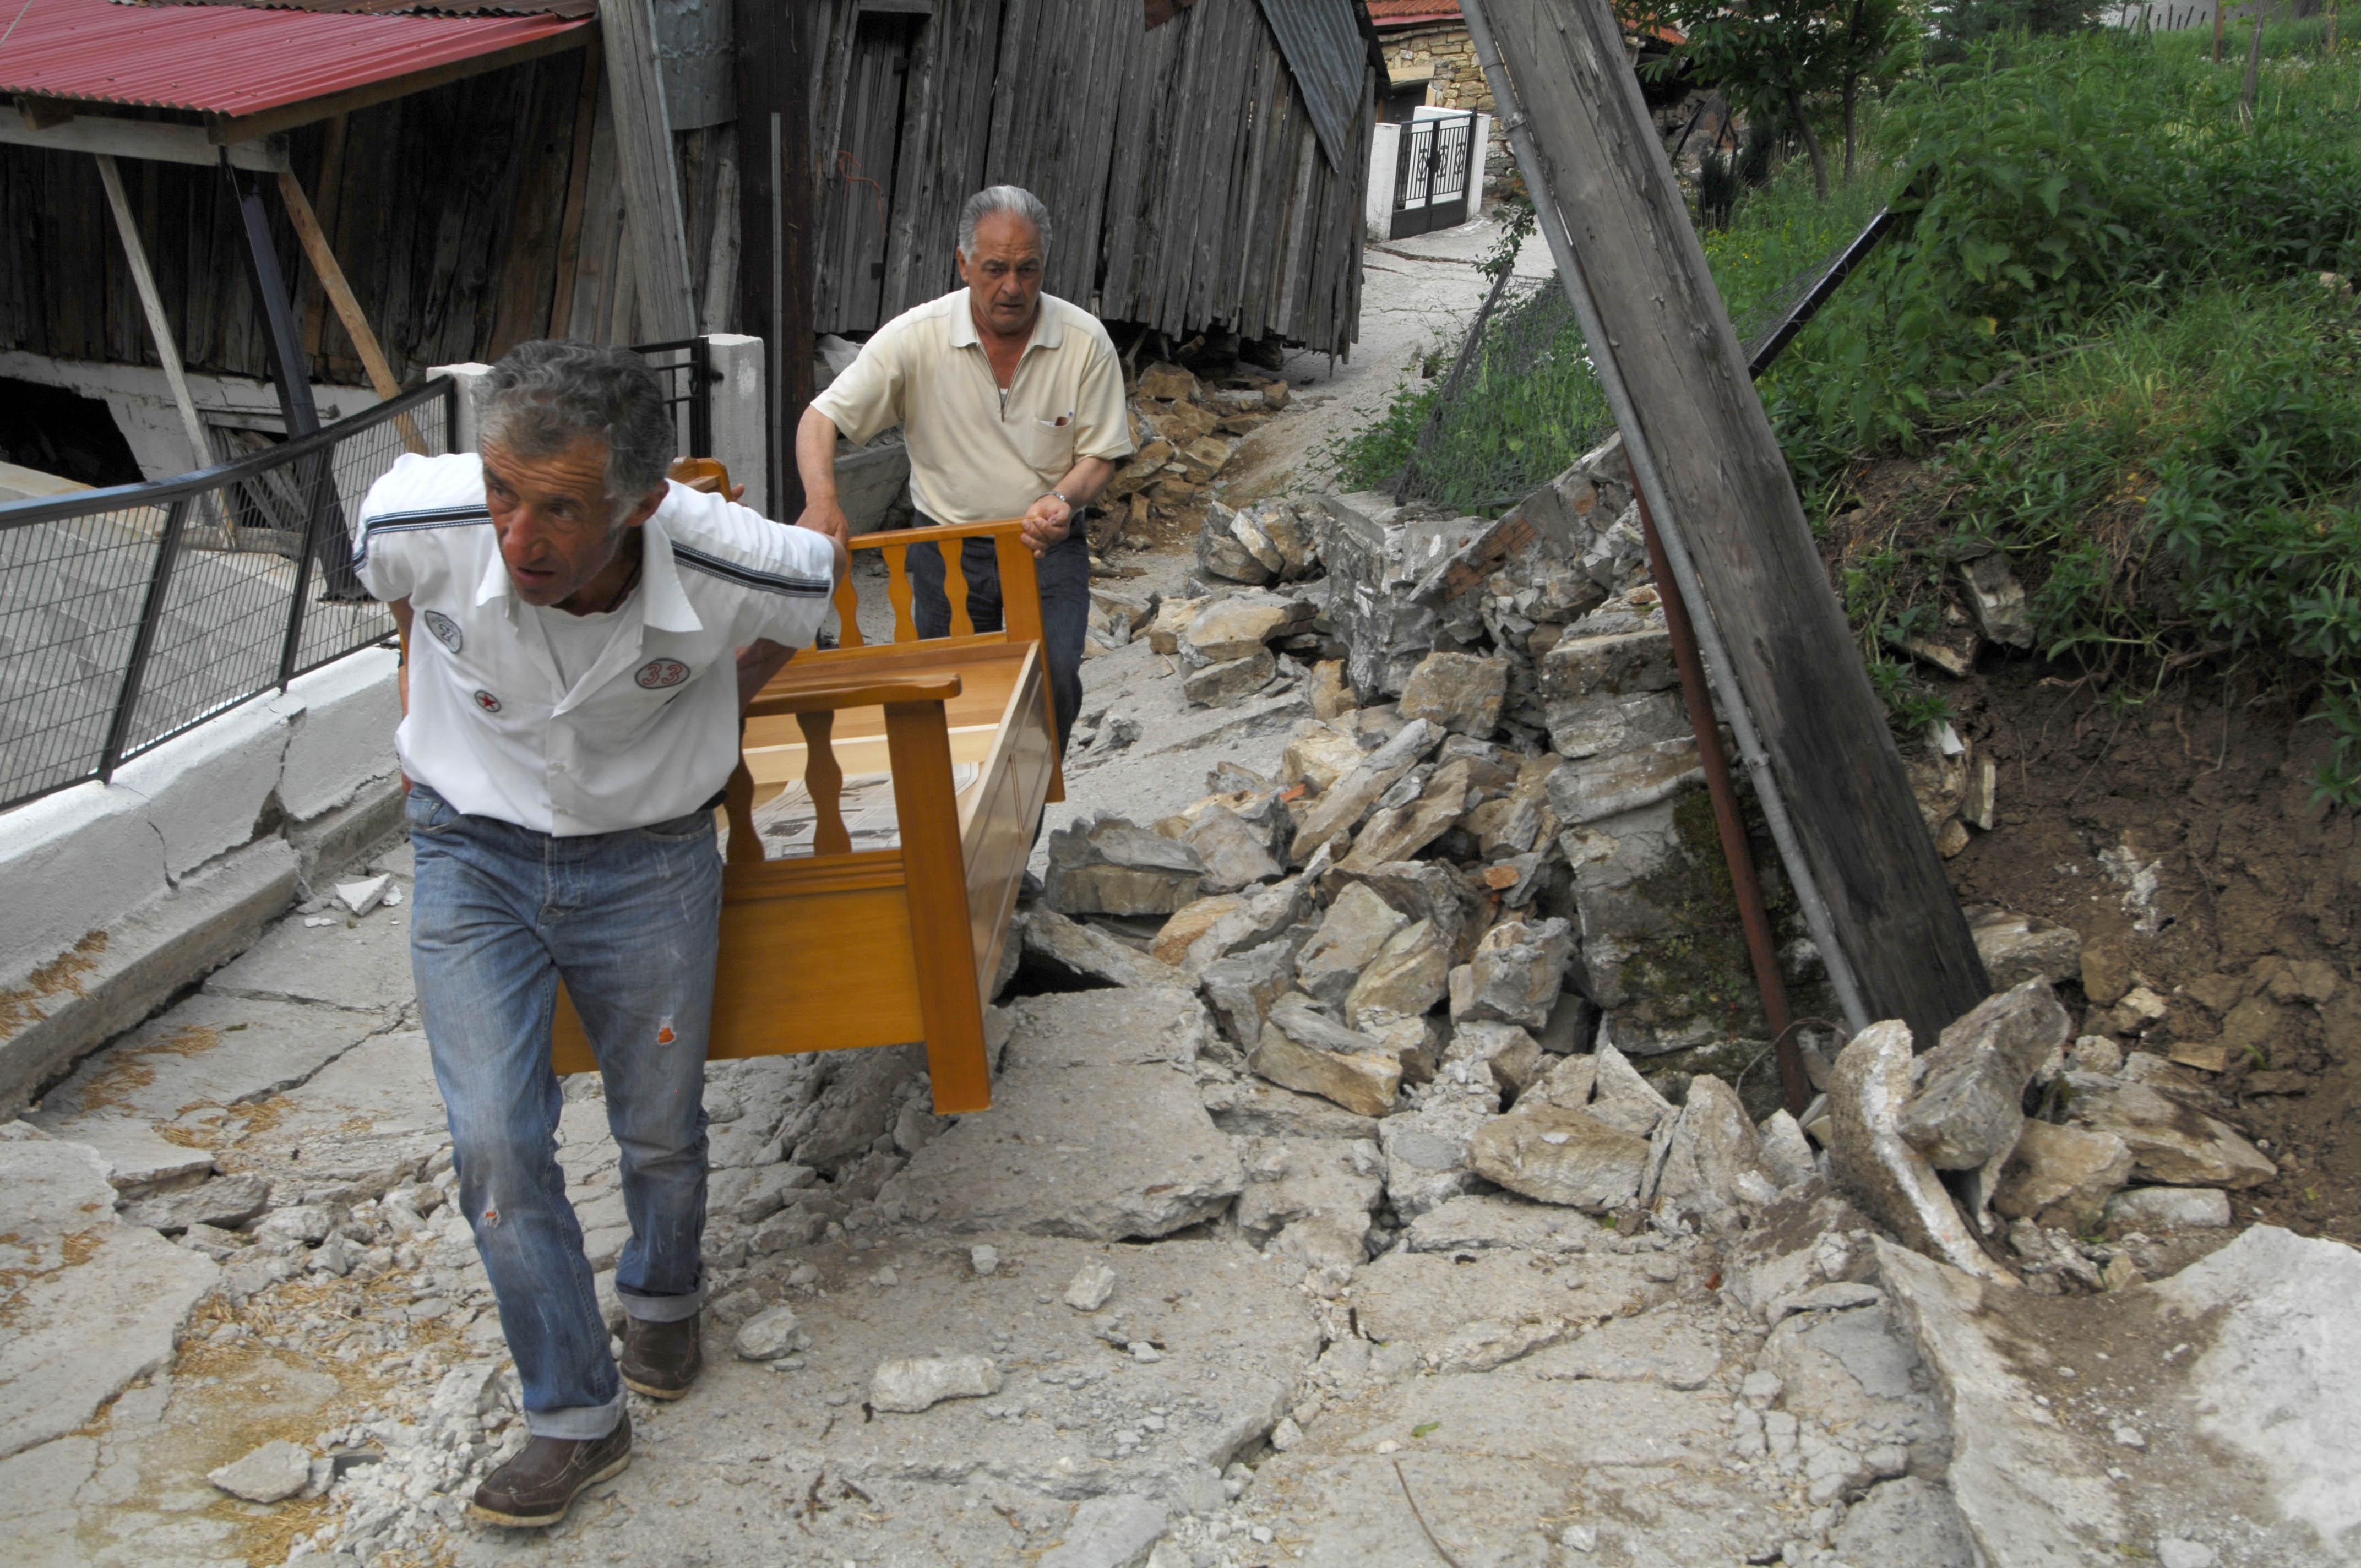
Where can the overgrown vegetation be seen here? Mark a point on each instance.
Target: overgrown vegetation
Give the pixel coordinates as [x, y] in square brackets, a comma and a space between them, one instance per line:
[2103, 337]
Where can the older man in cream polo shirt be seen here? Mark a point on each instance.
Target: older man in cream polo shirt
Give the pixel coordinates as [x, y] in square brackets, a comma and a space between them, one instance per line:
[1011, 401]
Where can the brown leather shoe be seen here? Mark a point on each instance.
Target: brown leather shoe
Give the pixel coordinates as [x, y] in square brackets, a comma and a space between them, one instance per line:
[661, 1360]
[539, 1484]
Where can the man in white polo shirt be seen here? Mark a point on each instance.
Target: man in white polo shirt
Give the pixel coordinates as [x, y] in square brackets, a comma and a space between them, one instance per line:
[582, 635]
[1011, 404]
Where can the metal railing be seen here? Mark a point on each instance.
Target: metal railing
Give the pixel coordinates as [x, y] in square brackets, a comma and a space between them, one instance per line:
[129, 615]
[685, 367]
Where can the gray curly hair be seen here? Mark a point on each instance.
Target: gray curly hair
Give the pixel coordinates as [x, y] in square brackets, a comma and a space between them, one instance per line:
[1002, 199]
[544, 395]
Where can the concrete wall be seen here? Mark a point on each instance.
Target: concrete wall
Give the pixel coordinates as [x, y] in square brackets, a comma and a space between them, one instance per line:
[115, 896]
[142, 404]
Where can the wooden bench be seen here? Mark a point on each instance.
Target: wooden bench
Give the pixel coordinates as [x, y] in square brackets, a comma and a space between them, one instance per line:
[837, 949]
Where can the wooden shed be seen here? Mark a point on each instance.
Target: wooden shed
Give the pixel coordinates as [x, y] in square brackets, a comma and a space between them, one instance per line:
[488, 171]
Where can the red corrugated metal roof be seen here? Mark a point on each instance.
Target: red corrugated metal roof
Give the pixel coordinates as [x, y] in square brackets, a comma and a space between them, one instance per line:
[231, 60]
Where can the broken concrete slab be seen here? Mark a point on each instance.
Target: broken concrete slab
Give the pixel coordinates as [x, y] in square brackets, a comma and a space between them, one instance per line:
[1427, 1148]
[1115, 1532]
[271, 1473]
[1656, 1347]
[1092, 1135]
[90, 1303]
[211, 1049]
[363, 965]
[1250, 1107]
[2062, 1480]
[1867, 1090]
[1313, 1196]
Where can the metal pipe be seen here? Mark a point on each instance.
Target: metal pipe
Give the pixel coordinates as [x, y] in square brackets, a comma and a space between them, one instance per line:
[1649, 483]
[143, 641]
[1744, 885]
[1826, 285]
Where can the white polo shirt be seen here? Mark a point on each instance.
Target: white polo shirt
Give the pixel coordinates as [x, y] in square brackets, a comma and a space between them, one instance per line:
[649, 732]
[977, 455]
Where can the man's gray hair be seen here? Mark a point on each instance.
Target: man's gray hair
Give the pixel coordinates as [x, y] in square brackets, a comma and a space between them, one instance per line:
[544, 395]
[1002, 199]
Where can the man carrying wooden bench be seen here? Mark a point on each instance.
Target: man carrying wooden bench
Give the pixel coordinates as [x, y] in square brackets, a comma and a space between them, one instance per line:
[581, 637]
[1011, 404]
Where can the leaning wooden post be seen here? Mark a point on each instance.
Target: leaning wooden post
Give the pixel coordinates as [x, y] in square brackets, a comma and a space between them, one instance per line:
[143, 277]
[340, 294]
[1809, 726]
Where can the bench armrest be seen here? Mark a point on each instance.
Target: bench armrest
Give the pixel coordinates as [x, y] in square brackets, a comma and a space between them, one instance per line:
[854, 693]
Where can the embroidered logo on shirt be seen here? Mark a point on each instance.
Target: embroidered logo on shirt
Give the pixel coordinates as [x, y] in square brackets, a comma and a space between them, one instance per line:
[658, 673]
[488, 702]
[445, 630]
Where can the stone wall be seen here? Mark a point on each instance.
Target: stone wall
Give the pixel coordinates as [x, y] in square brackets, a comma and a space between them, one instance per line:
[1445, 55]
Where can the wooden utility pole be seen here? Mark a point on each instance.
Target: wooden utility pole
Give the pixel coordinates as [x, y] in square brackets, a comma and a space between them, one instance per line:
[774, 204]
[1810, 727]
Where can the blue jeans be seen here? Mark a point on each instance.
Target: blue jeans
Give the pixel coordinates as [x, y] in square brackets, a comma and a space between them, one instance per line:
[630, 921]
[1064, 573]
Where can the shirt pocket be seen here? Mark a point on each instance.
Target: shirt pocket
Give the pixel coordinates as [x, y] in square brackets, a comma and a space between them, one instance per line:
[1048, 443]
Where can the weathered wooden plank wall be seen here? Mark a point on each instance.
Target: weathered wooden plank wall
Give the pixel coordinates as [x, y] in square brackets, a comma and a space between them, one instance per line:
[444, 208]
[1182, 174]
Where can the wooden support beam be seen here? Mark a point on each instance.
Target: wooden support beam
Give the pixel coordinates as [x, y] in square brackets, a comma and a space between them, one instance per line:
[348, 308]
[658, 235]
[143, 277]
[162, 143]
[1811, 729]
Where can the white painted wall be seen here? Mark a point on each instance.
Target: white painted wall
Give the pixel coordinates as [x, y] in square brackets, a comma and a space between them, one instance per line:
[82, 859]
[1377, 205]
[150, 422]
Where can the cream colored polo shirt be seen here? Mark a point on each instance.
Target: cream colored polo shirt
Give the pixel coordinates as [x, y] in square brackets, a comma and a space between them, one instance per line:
[974, 458]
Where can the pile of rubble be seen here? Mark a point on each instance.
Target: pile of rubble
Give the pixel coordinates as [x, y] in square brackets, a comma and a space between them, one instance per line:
[1186, 431]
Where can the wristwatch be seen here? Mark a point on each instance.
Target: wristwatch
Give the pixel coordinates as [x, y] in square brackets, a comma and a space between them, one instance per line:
[1061, 496]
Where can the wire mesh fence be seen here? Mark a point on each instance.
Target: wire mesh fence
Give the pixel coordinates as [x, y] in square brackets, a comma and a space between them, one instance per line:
[127, 615]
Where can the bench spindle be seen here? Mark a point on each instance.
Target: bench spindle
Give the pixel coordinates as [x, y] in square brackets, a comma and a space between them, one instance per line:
[898, 590]
[848, 614]
[824, 779]
[955, 587]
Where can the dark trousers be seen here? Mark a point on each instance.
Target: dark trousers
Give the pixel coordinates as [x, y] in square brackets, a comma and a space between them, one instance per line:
[1064, 571]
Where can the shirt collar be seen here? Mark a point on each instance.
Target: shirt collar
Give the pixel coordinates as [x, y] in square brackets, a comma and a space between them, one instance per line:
[1048, 328]
[663, 602]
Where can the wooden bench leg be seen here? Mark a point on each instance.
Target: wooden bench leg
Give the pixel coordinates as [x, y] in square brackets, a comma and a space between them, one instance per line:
[917, 739]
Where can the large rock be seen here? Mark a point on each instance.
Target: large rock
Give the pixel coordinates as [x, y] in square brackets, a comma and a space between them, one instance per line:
[907, 1385]
[1419, 890]
[1711, 1153]
[1242, 987]
[1236, 853]
[1510, 1058]
[1407, 977]
[1559, 1155]
[1615, 783]
[1342, 806]
[1318, 754]
[1230, 681]
[1233, 548]
[1303, 1050]
[1356, 925]
[1089, 953]
[2068, 1170]
[1188, 923]
[1622, 1098]
[1966, 1111]
[2170, 1142]
[1514, 974]
[1377, 554]
[1461, 692]
[1261, 914]
[1237, 625]
[1867, 1089]
[1107, 865]
[1088, 1137]
[2018, 947]
[1395, 833]
[2169, 1209]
